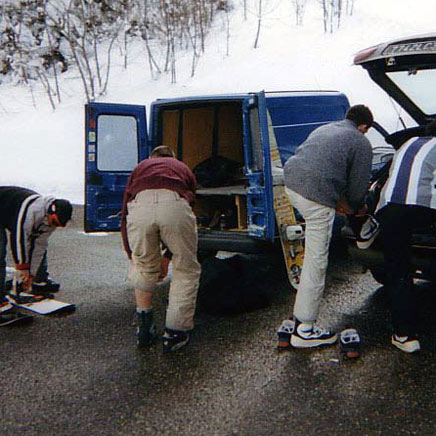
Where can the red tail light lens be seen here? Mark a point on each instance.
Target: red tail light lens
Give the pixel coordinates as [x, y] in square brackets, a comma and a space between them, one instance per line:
[364, 54]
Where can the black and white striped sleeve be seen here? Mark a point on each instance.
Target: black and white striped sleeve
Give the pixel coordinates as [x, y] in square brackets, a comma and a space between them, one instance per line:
[20, 238]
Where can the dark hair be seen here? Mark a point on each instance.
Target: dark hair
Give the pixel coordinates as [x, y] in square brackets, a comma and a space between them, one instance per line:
[360, 114]
[430, 128]
[162, 151]
[63, 209]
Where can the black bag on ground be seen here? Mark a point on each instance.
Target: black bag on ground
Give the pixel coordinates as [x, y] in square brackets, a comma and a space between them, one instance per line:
[234, 285]
[216, 171]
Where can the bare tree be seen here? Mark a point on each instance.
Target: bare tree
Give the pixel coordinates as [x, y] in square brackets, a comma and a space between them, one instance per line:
[299, 7]
[349, 7]
[332, 13]
[87, 37]
[76, 35]
[337, 6]
[227, 21]
[53, 64]
[168, 14]
[259, 22]
[46, 84]
[196, 35]
[262, 9]
[145, 24]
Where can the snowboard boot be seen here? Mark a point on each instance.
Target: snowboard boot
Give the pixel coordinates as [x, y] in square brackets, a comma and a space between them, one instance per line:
[174, 340]
[146, 330]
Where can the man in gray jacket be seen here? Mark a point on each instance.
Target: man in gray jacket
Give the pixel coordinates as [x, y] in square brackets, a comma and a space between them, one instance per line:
[30, 219]
[329, 173]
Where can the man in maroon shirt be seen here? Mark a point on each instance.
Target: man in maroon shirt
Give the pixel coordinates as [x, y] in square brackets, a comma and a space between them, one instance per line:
[156, 211]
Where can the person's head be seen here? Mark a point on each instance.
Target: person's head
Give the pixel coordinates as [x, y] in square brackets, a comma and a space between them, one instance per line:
[361, 116]
[162, 151]
[59, 213]
[430, 128]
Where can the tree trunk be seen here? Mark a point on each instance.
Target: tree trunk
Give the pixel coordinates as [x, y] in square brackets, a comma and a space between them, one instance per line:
[259, 22]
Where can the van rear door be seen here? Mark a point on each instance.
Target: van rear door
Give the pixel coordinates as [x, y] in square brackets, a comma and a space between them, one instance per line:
[115, 142]
[260, 188]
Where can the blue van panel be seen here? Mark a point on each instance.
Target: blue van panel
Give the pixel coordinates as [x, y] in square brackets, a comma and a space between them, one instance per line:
[289, 138]
[107, 170]
[267, 188]
[296, 114]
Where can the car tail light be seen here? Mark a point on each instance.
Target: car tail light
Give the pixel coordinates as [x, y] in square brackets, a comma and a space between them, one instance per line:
[364, 54]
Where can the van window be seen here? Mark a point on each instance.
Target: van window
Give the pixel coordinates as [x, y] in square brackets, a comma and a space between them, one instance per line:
[256, 163]
[117, 143]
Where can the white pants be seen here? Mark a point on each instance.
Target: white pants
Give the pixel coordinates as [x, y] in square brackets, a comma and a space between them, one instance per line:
[319, 225]
[157, 215]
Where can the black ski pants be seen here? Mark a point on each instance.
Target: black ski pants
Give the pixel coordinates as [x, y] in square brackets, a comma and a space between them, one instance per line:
[397, 223]
[41, 274]
[3, 247]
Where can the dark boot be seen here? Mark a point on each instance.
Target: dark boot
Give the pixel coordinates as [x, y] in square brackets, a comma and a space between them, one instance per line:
[146, 330]
[173, 340]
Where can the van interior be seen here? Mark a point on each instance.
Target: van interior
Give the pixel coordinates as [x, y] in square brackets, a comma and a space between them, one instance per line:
[208, 137]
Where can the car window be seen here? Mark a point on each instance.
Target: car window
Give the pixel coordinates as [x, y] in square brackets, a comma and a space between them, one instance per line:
[381, 150]
[418, 85]
[379, 145]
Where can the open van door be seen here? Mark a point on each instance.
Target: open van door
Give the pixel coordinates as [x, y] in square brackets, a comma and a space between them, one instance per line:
[115, 142]
[260, 187]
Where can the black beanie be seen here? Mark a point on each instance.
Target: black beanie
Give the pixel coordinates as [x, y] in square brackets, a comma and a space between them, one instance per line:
[63, 209]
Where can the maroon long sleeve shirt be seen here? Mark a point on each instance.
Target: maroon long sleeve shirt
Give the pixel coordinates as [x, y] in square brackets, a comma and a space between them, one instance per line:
[157, 173]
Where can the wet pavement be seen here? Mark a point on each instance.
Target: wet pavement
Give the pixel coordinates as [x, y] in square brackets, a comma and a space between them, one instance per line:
[81, 374]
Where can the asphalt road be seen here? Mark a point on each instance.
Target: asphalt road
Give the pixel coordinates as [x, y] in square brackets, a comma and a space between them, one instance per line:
[81, 374]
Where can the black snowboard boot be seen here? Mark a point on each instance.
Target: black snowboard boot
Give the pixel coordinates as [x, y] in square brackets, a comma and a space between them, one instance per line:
[146, 330]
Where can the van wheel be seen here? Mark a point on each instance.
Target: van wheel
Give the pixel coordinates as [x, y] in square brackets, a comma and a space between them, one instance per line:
[379, 275]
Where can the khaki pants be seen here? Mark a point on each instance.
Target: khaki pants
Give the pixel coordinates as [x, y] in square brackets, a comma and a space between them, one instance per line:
[160, 215]
[319, 225]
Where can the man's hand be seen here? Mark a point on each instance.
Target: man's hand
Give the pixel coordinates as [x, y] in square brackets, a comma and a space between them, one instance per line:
[26, 279]
[343, 208]
[164, 264]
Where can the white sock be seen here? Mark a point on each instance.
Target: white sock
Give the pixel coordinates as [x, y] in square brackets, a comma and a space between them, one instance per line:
[305, 326]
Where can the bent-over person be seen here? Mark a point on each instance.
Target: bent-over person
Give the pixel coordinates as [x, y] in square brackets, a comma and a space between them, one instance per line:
[157, 211]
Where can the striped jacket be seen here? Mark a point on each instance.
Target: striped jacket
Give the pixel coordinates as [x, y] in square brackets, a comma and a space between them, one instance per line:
[412, 176]
[24, 213]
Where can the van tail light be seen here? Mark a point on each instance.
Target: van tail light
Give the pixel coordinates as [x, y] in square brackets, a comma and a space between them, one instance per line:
[92, 123]
[364, 54]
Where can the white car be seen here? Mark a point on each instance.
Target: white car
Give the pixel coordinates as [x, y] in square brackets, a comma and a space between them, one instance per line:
[406, 70]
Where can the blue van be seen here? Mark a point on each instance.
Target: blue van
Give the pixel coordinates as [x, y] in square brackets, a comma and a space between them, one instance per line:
[238, 214]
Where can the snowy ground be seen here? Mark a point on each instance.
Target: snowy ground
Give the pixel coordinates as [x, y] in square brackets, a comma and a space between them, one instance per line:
[43, 149]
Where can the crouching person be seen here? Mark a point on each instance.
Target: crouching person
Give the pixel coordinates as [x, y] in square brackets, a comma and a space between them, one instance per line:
[30, 219]
[407, 203]
[156, 211]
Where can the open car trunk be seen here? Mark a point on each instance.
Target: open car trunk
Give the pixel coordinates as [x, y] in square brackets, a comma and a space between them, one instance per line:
[406, 70]
[209, 139]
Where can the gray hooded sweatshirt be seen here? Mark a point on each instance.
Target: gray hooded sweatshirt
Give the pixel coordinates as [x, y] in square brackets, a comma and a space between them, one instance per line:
[333, 162]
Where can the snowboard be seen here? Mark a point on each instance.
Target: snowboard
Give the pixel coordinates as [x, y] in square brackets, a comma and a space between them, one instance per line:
[15, 318]
[291, 231]
[293, 249]
[40, 304]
